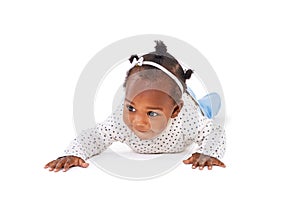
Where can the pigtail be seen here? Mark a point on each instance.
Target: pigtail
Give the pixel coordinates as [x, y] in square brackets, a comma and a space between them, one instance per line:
[160, 48]
[188, 73]
[133, 57]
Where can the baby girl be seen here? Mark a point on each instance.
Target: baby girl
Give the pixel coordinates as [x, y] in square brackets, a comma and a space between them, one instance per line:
[158, 115]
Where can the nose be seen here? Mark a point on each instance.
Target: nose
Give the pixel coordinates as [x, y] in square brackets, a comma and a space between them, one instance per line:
[141, 123]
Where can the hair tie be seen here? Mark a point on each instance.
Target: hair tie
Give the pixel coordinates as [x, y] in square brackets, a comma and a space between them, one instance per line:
[141, 62]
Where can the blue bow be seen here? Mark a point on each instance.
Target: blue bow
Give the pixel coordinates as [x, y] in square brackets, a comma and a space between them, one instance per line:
[210, 104]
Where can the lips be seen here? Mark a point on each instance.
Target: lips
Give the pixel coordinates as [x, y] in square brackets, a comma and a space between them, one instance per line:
[144, 135]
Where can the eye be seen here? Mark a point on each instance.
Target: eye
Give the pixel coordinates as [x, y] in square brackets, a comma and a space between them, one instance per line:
[130, 108]
[152, 114]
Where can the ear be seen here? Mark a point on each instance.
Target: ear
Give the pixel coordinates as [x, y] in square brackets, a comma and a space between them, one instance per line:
[177, 109]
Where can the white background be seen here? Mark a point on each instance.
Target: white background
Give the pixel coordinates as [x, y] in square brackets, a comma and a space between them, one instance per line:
[252, 45]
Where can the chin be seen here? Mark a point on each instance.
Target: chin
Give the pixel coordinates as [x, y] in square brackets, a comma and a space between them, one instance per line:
[145, 136]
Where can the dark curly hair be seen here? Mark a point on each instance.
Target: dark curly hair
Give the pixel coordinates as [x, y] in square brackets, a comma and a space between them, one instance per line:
[162, 57]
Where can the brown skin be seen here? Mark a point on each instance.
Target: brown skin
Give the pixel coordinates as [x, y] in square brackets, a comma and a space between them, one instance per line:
[148, 106]
[65, 163]
[147, 114]
[201, 160]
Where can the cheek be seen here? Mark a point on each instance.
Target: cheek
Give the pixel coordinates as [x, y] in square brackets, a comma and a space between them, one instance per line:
[159, 124]
[126, 117]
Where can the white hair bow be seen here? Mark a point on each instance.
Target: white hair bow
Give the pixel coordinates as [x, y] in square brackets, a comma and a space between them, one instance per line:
[141, 61]
[138, 62]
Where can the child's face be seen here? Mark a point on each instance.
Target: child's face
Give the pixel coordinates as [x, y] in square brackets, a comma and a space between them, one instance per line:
[147, 110]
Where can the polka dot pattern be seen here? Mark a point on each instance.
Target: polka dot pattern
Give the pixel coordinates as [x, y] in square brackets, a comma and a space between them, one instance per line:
[188, 127]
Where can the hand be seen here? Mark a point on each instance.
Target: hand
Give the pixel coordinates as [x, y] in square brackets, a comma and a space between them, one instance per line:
[65, 163]
[201, 160]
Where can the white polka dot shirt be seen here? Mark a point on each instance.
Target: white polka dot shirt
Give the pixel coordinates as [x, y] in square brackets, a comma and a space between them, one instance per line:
[188, 127]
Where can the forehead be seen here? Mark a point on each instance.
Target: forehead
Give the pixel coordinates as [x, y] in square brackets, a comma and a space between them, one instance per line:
[137, 84]
[153, 99]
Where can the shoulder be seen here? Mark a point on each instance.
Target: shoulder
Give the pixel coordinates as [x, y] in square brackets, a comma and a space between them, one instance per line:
[189, 104]
[115, 119]
[190, 112]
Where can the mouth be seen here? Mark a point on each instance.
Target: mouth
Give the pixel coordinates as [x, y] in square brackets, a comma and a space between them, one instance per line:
[144, 135]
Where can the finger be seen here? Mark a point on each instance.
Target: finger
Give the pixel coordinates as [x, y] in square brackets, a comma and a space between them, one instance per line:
[68, 165]
[222, 164]
[59, 164]
[51, 165]
[209, 164]
[202, 164]
[83, 164]
[190, 160]
[186, 161]
[217, 162]
[195, 164]
[71, 162]
[48, 164]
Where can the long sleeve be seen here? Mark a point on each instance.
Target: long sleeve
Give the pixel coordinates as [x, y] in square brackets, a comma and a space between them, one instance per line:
[205, 132]
[95, 140]
[211, 139]
[90, 142]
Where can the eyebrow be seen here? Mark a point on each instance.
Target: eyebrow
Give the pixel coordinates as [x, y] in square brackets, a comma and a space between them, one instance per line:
[129, 101]
[148, 108]
[154, 108]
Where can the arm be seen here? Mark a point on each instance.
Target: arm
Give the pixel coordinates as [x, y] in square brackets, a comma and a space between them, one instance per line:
[91, 142]
[211, 140]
